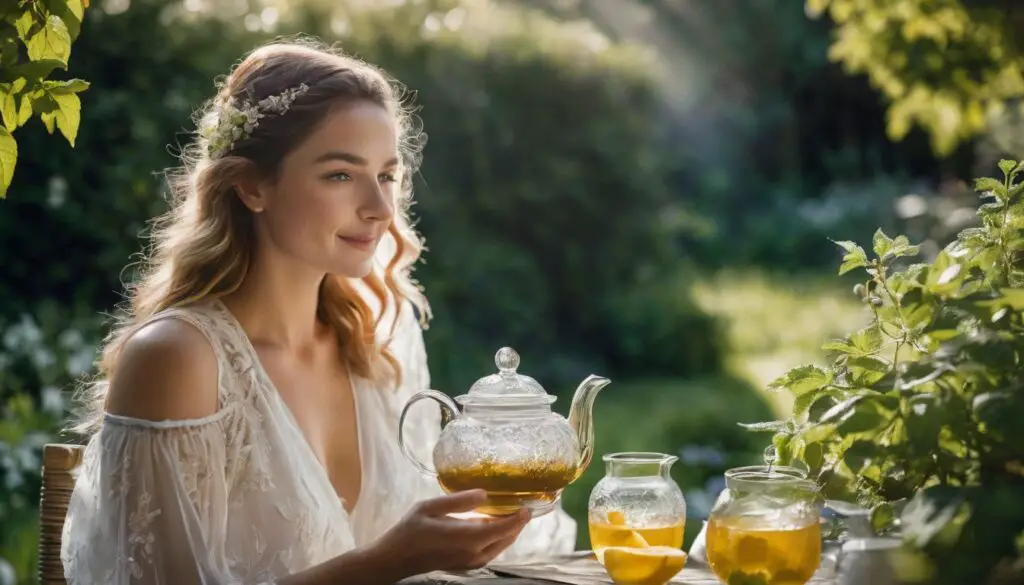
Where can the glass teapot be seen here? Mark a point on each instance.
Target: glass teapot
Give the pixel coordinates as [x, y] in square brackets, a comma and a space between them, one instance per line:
[507, 441]
[765, 526]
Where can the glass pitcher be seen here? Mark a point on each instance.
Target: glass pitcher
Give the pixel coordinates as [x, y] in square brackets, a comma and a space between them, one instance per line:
[765, 527]
[636, 497]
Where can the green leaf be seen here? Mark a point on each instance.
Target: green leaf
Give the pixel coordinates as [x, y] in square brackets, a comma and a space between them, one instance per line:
[52, 42]
[924, 422]
[782, 442]
[8, 159]
[802, 404]
[838, 411]
[988, 184]
[65, 87]
[818, 433]
[33, 70]
[814, 456]
[855, 257]
[901, 247]
[867, 341]
[772, 426]
[26, 25]
[68, 115]
[1010, 297]
[8, 106]
[866, 370]
[71, 12]
[859, 454]
[881, 243]
[802, 379]
[973, 236]
[1007, 166]
[862, 418]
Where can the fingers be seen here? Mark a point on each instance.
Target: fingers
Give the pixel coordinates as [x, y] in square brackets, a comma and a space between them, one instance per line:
[497, 528]
[453, 503]
[492, 550]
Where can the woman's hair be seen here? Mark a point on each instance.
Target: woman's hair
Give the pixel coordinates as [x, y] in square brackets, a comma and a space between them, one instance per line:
[201, 247]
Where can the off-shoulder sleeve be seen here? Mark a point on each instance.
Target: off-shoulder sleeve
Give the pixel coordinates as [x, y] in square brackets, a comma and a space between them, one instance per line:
[149, 505]
[553, 533]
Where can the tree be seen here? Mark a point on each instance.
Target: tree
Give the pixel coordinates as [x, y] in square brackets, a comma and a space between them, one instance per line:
[35, 41]
[952, 67]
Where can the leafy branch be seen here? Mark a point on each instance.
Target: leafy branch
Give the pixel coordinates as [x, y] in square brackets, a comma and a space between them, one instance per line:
[35, 40]
[949, 66]
[927, 398]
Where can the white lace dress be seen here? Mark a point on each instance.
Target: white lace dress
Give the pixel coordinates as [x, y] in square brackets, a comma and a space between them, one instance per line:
[239, 497]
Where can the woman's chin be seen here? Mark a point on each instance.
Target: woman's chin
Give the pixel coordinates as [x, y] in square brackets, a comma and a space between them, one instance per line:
[353, 268]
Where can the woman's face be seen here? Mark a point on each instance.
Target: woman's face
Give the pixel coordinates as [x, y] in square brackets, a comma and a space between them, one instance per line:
[334, 196]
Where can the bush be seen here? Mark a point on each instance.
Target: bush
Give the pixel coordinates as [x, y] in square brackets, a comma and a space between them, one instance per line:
[924, 404]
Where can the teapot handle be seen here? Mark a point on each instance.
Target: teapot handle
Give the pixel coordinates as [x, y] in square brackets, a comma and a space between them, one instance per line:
[449, 411]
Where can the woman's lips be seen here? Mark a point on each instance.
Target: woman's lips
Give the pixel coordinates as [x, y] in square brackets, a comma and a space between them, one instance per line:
[366, 244]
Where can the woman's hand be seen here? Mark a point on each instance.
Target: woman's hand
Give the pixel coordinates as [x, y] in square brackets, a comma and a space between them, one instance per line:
[428, 539]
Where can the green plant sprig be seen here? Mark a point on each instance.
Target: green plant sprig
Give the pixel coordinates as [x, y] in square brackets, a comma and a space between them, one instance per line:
[927, 399]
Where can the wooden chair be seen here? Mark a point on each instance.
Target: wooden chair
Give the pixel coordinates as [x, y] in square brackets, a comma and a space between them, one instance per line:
[58, 463]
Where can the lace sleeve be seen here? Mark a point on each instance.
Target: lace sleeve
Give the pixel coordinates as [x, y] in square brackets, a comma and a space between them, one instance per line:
[149, 505]
[553, 533]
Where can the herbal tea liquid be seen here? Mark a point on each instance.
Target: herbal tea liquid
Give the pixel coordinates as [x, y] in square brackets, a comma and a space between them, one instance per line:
[508, 486]
[787, 556]
[603, 535]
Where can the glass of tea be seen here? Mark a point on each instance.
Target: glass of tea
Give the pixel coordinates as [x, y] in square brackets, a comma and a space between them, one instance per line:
[765, 527]
[636, 516]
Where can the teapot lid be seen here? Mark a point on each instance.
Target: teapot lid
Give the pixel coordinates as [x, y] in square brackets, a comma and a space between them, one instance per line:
[507, 382]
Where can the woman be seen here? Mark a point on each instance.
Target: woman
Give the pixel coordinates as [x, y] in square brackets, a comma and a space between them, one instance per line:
[245, 424]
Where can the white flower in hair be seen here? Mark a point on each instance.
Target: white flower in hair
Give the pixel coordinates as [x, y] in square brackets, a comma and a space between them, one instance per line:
[235, 123]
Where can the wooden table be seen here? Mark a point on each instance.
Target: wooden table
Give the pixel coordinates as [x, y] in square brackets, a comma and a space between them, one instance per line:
[575, 571]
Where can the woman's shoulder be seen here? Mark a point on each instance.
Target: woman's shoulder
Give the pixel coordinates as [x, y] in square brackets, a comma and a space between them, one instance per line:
[167, 369]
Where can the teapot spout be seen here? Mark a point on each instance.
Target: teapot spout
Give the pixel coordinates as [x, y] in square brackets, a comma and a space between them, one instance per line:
[581, 419]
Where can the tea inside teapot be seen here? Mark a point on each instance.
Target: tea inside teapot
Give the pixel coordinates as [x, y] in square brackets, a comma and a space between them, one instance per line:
[509, 485]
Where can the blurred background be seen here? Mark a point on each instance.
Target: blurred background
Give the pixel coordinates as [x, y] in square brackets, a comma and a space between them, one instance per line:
[643, 189]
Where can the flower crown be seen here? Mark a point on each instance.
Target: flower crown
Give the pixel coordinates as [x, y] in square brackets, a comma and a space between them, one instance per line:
[234, 123]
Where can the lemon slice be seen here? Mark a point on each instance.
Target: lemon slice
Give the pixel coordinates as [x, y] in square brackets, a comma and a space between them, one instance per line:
[624, 538]
[653, 565]
[616, 518]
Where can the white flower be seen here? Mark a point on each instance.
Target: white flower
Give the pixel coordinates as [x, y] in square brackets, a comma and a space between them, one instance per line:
[233, 124]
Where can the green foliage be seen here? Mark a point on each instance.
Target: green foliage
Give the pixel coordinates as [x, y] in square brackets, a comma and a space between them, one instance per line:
[35, 41]
[925, 402]
[950, 66]
[39, 355]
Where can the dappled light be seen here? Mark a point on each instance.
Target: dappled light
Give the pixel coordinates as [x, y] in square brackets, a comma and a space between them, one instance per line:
[782, 224]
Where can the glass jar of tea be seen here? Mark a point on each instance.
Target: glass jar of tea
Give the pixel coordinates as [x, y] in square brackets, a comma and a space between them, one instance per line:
[765, 527]
[636, 497]
[636, 516]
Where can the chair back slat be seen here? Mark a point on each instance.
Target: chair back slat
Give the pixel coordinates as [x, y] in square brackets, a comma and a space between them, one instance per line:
[59, 461]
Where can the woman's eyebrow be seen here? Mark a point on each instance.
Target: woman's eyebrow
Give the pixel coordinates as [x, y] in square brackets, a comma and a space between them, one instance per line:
[337, 155]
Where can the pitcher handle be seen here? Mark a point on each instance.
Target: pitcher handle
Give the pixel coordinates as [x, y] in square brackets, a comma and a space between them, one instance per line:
[449, 411]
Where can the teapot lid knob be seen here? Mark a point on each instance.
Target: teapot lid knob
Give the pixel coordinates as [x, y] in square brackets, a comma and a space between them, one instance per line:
[507, 360]
[507, 381]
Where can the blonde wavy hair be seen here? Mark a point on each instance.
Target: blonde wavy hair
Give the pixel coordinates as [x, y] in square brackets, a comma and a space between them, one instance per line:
[200, 249]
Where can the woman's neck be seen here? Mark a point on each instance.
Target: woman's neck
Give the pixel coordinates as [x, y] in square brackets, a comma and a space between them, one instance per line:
[277, 302]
